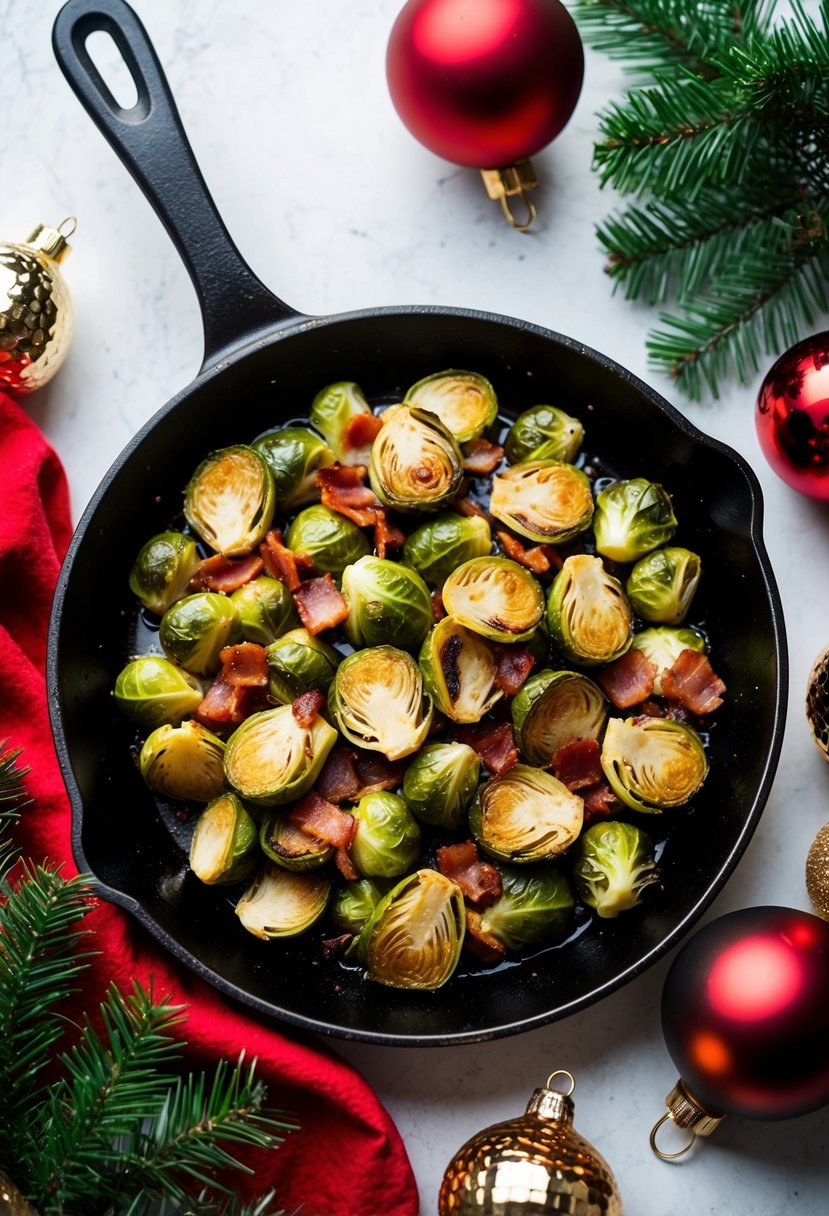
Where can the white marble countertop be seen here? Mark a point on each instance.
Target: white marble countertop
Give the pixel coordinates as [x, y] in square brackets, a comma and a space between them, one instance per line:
[336, 207]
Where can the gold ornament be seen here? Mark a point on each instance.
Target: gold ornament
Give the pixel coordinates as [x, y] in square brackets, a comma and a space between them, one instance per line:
[817, 872]
[817, 701]
[535, 1163]
[35, 310]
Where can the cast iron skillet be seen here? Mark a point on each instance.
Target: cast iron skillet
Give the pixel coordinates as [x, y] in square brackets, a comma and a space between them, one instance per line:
[263, 364]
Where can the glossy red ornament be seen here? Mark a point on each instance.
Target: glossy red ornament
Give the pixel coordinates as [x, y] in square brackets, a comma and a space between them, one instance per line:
[793, 417]
[484, 83]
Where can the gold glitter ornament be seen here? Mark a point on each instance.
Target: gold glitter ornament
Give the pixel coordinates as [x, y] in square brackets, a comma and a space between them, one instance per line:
[817, 872]
[817, 701]
[35, 310]
[535, 1163]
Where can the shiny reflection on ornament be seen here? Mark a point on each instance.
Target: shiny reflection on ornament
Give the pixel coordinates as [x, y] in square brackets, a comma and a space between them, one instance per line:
[521, 1182]
[754, 979]
[711, 1053]
[465, 29]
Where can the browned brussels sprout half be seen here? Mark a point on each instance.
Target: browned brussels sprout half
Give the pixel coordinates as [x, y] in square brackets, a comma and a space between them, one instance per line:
[459, 671]
[416, 464]
[653, 764]
[229, 500]
[545, 500]
[271, 759]
[414, 936]
[378, 703]
[289, 846]
[279, 903]
[225, 845]
[588, 613]
[495, 597]
[183, 762]
[465, 402]
[554, 708]
[525, 815]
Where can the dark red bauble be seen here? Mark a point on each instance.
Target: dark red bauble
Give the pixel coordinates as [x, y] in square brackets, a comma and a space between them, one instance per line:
[484, 83]
[745, 1013]
[793, 417]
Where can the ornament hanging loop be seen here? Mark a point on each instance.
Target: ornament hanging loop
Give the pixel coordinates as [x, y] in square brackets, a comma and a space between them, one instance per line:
[562, 1072]
[661, 1153]
[507, 183]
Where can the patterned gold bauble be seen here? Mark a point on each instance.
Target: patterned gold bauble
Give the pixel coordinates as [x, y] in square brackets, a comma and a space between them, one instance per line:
[817, 872]
[533, 1164]
[817, 701]
[35, 311]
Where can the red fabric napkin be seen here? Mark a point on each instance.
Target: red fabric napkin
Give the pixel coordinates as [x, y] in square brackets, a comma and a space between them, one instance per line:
[347, 1159]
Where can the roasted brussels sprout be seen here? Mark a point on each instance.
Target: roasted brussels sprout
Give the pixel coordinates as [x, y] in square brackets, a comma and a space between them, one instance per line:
[183, 762]
[388, 604]
[525, 815]
[495, 597]
[225, 845]
[279, 903]
[378, 703]
[270, 759]
[162, 570]
[152, 691]
[265, 609]
[440, 545]
[465, 402]
[289, 846]
[614, 864]
[332, 410]
[387, 840]
[534, 908]
[560, 435]
[331, 540]
[354, 902]
[415, 464]
[631, 518]
[660, 587]
[663, 645]
[554, 708]
[293, 455]
[194, 630]
[440, 784]
[298, 662]
[653, 763]
[545, 500]
[459, 670]
[414, 936]
[588, 613]
[229, 500]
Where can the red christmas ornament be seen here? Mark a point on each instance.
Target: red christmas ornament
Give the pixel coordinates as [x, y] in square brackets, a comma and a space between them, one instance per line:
[793, 417]
[486, 83]
[744, 1017]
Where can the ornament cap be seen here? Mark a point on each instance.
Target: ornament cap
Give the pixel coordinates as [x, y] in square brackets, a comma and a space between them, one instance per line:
[53, 241]
[552, 1103]
[512, 181]
[689, 1114]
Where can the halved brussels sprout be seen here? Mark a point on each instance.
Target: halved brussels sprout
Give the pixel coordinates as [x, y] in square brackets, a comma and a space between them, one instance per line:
[289, 846]
[653, 763]
[298, 662]
[332, 410]
[559, 433]
[663, 645]
[545, 500]
[631, 518]
[162, 570]
[354, 902]
[387, 840]
[183, 762]
[229, 500]
[588, 613]
[614, 865]
[440, 545]
[387, 604]
[465, 402]
[661, 586]
[195, 629]
[378, 703]
[534, 908]
[495, 597]
[440, 784]
[414, 936]
[459, 670]
[265, 609]
[525, 815]
[281, 904]
[331, 540]
[270, 759]
[293, 454]
[554, 708]
[225, 844]
[416, 464]
[152, 691]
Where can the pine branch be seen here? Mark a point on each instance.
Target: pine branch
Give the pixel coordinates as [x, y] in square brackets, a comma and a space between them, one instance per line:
[13, 797]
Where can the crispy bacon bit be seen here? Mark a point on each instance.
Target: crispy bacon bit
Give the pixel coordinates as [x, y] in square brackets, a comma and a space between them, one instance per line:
[361, 430]
[307, 705]
[438, 610]
[319, 604]
[539, 558]
[628, 680]
[220, 573]
[479, 881]
[386, 536]
[346, 866]
[225, 705]
[333, 947]
[599, 801]
[693, 683]
[514, 665]
[348, 773]
[494, 743]
[578, 764]
[481, 457]
[317, 817]
[283, 563]
[343, 489]
[483, 945]
[468, 506]
[244, 665]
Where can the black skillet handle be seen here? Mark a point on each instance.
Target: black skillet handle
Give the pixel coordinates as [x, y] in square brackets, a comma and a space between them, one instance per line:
[151, 142]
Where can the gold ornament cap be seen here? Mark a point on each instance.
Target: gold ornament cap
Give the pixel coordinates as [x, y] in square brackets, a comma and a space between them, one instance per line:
[54, 242]
[688, 1114]
[513, 181]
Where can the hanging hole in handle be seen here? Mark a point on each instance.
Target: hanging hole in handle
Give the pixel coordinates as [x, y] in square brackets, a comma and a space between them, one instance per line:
[112, 69]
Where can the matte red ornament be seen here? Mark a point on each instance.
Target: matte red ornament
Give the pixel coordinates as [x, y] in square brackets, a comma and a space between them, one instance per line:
[792, 417]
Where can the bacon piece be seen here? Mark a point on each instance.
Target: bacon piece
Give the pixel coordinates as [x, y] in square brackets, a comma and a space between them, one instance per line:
[481, 457]
[479, 881]
[485, 946]
[578, 764]
[317, 817]
[343, 489]
[283, 563]
[468, 506]
[693, 683]
[514, 665]
[386, 536]
[333, 947]
[539, 558]
[628, 680]
[244, 665]
[220, 573]
[225, 705]
[599, 801]
[494, 743]
[319, 604]
[376, 772]
[307, 705]
[360, 431]
[346, 866]
[348, 773]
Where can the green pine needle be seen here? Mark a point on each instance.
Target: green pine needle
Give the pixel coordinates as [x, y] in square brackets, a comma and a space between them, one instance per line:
[13, 797]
